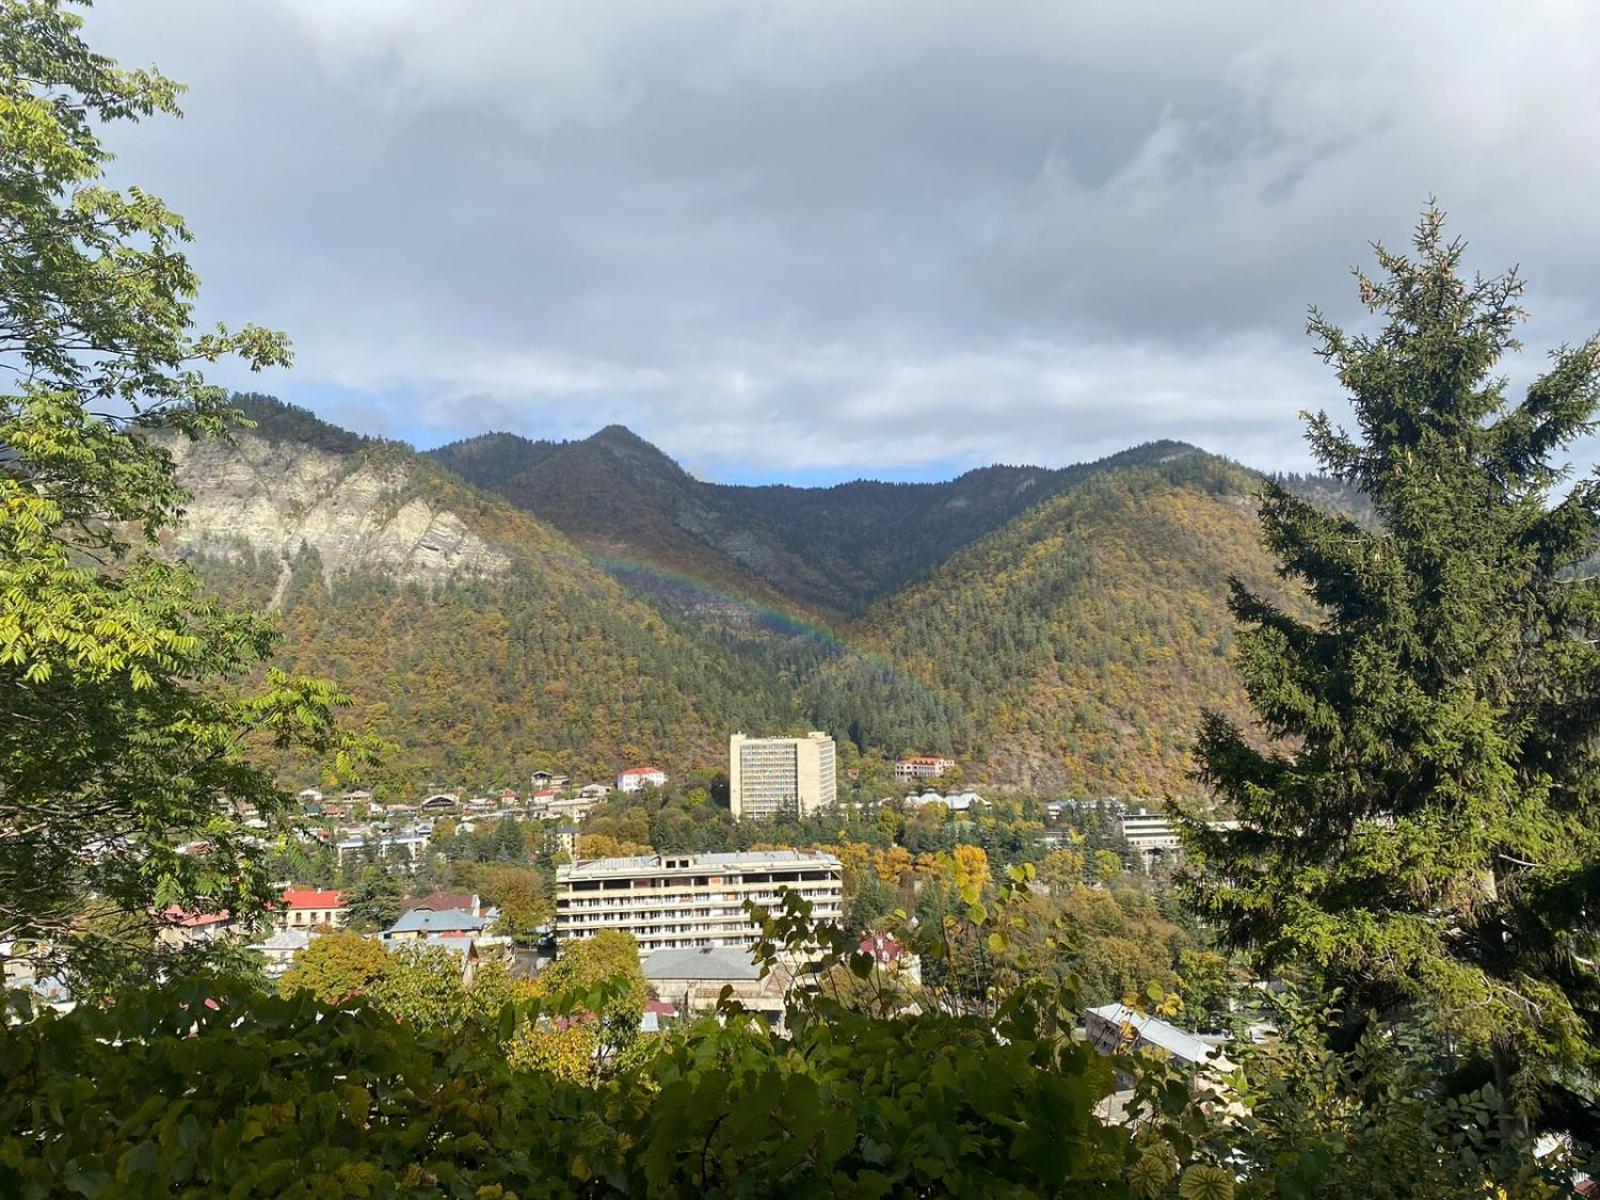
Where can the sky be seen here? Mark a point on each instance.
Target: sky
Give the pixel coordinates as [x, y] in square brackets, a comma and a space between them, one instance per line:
[823, 240]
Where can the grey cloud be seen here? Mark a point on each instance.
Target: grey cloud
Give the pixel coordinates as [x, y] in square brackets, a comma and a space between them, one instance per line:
[831, 237]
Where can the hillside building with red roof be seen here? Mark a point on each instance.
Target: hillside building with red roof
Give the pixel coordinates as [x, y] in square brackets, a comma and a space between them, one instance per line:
[307, 908]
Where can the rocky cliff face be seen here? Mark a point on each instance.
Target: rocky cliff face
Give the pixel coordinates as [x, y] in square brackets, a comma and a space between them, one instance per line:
[357, 512]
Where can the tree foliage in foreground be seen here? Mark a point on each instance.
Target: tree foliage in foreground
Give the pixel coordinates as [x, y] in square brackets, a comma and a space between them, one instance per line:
[123, 723]
[208, 1089]
[1427, 830]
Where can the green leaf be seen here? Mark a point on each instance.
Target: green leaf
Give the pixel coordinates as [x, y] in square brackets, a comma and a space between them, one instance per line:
[86, 1179]
[1203, 1182]
[508, 1020]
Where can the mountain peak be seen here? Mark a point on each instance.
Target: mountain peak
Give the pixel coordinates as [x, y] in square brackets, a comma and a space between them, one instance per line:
[616, 433]
[620, 437]
[624, 444]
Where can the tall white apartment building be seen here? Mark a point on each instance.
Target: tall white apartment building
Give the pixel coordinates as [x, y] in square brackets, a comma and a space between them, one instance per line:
[768, 776]
[691, 899]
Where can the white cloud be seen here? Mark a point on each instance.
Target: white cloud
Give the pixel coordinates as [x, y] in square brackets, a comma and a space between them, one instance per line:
[735, 409]
[834, 237]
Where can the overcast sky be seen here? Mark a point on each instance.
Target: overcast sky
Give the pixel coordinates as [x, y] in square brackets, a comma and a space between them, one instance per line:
[825, 239]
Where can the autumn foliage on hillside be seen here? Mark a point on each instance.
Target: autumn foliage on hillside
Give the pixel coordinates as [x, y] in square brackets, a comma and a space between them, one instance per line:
[1076, 647]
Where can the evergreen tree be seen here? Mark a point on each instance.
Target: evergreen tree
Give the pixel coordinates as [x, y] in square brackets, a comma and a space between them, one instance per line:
[1427, 828]
[873, 901]
[374, 901]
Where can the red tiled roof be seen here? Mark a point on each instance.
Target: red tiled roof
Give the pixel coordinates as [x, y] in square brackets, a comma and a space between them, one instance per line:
[883, 948]
[306, 898]
[187, 919]
[643, 771]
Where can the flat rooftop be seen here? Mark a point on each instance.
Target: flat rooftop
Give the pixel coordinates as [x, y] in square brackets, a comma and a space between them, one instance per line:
[748, 860]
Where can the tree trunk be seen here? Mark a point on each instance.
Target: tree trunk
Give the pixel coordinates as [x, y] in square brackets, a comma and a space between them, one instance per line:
[1513, 1124]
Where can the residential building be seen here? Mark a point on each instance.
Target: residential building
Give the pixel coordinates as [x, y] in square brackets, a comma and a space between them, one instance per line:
[891, 956]
[424, 924]
[1118, 1029]
[768, 776]
[635, 778]
[547, 806]
[565, 838]
[691, 979]
[656, 1014]
[1150, 836]
[908, 770]
[183, 927]
[394, 847]
[675, 900]
[466, 947]
[1154, 839]
[46, 990]
[278, 951]
[305, 909]
[467, 902]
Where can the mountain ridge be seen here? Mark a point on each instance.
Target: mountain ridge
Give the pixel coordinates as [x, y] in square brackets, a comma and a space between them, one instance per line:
[1057, 628]
[616, 494]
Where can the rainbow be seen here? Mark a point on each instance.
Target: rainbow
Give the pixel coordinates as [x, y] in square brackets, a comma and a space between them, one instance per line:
[784, 623]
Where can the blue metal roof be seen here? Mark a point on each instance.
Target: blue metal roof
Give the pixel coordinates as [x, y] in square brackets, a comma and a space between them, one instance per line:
[426, 920]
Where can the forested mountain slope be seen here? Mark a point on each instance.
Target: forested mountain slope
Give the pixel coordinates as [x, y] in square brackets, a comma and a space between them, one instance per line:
[646, 519]
[1075, 647]
[827, 550]
[475, 637]
[1069, 645]
[874, 538]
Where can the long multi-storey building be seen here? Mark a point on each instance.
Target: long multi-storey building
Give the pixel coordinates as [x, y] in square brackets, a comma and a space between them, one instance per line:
[1154, 839]
[1150, 836]
[691, 899]
[769, 776]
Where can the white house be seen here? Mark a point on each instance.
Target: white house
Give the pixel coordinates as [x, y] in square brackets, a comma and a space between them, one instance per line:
[635, 778]
[278, 951]
[397, 846]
